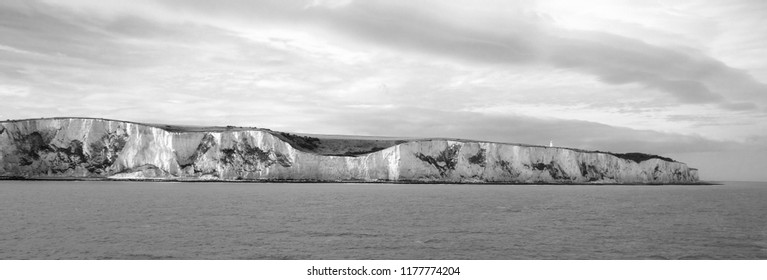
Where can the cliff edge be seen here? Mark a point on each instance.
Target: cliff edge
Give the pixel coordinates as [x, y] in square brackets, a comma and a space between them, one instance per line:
[66, 148]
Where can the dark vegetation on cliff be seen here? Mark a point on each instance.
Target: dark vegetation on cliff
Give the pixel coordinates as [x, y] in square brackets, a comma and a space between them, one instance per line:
[639, 157]
[445, 161]
[350, 147]
[357, 153]
[252, 158]
[302, 142]
[334, 145]
[479, 158]
[555, 170]
[62, 157]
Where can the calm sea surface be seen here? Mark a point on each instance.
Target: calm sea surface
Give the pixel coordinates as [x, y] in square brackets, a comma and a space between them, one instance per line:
[140, 220]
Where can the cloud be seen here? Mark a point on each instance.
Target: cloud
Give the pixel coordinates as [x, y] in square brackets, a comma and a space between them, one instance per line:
[13, 91]
[502, 34]
[690, 78]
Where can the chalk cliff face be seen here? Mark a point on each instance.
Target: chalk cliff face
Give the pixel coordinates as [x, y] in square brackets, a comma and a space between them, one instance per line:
[95, 148]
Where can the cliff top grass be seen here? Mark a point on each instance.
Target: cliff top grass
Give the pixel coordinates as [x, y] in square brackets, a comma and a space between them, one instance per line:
[342, 145]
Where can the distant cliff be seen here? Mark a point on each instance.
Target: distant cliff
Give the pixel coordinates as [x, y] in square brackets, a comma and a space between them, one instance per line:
[97, 148]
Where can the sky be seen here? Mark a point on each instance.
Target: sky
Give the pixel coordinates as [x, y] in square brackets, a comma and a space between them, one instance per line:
[682, 79]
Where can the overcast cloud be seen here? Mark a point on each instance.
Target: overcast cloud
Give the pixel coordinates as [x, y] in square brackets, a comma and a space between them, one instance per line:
[679, 78]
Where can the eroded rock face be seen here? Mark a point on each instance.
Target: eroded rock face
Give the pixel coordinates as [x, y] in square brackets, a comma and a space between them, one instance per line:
[94, 148]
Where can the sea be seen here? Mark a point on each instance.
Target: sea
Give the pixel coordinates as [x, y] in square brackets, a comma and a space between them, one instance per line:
[179, 220]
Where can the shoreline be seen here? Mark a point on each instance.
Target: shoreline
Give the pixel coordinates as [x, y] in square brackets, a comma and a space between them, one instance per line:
[401, 182]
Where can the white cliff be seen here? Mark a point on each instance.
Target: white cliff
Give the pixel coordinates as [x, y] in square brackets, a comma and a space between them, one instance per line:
[95, 148]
